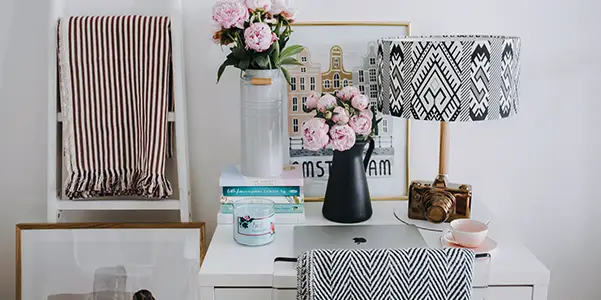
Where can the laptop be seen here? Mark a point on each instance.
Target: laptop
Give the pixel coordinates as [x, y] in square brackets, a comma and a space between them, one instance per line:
[308, 237]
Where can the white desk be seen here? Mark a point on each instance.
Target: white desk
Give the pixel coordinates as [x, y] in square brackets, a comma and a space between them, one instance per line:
[231, 271]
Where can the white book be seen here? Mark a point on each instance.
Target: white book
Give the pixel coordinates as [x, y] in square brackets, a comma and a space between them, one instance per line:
[292, 176]
[277, 200]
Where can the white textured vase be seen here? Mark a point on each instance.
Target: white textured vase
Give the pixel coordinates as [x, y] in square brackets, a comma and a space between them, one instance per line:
[262, 124]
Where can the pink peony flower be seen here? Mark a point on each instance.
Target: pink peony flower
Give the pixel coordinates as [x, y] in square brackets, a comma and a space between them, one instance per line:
[362, 123]
[312, 100]
[326, 103]
[285, 8]
[343, 137]
[259, 37]
[340, 116]
[230, 13]
[315, 134]
[360, 102]
[264, 5]
[348, 92]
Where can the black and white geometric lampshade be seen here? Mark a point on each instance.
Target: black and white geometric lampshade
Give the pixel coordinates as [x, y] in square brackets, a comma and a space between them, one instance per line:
[449, 78]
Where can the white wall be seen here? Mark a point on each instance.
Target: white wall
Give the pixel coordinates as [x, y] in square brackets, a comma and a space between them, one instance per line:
[541, 164]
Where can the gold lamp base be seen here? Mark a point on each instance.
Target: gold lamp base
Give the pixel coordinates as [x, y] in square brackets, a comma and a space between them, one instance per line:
[439, 201]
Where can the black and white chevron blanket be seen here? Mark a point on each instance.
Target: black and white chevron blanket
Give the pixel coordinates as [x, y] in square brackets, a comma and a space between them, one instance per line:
[379, 274]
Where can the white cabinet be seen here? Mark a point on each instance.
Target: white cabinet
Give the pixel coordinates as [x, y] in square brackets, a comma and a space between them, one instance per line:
[510, 293]
[244, 293]
[231, 272]
[492, 293]
[284, 294]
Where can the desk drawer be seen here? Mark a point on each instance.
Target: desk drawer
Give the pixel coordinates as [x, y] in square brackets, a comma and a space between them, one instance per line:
[509, 293]
[245, 293]
[493, 293]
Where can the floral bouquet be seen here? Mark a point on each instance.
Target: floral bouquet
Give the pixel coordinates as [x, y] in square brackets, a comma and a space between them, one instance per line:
[256, 31]
[340, 120]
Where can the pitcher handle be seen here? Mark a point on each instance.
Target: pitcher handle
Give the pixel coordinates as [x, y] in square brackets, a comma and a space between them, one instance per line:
[370, 150]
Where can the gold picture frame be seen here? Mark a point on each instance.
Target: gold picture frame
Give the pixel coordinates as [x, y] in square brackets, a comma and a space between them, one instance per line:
[74, 226]
[407, 26]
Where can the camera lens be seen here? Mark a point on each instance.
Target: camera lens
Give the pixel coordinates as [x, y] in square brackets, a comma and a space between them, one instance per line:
[439, 205]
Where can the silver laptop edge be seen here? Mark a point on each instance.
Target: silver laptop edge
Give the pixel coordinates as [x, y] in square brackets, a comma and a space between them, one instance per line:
[309, 237]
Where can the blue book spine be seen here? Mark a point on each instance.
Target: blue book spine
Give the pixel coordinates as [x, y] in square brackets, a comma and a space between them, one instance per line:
[261, 191]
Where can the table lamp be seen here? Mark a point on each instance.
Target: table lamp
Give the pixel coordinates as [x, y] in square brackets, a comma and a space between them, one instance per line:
[447, 79]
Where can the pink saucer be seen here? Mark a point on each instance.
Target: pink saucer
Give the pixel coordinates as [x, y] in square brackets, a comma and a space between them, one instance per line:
[488, 246]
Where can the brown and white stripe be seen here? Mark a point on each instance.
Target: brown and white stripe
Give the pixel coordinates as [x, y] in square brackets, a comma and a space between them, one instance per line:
[115, 96]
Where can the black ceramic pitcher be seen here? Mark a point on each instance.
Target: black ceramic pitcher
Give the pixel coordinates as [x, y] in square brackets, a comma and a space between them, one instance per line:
[347, 197]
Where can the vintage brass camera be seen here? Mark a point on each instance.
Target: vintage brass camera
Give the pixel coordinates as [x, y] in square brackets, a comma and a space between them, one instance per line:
[438, 201]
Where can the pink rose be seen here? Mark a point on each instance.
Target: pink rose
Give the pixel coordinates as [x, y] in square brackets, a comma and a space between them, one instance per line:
[326, 103]
[340, 116]
[348, 92]
[229, 13]
[284, 8]
[360, 102]
[343, 137]
[312, 100]
[315, 134]
[362, 123]
[259, 37]
[264, 5]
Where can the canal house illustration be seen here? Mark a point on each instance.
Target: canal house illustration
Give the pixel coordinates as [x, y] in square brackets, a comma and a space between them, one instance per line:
[304, 80]
[309, 78]
[365, 78]
[336, 77]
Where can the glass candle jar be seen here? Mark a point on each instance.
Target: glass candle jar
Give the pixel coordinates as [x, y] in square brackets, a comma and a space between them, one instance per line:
[254, 221]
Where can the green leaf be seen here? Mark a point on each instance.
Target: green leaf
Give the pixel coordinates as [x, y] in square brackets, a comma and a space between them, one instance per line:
[271, 49]
[375, 121]
[239, 53]
[353, 111]
[292, 50]
[244, 64]
[286, 74]
[262, 61]
[291, 61]
[283, 40]
[230, 61]
[276, 54]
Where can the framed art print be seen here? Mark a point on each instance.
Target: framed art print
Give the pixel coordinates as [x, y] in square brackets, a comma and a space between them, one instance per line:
[86, 261]
[336, 55]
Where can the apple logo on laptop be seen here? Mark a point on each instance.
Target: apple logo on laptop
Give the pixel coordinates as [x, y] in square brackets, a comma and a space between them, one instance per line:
[359, 240]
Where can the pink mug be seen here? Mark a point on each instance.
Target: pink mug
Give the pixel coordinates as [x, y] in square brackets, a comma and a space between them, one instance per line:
[467, 233]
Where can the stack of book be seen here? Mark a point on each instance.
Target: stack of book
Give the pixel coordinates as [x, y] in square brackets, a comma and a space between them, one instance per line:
[285, 191]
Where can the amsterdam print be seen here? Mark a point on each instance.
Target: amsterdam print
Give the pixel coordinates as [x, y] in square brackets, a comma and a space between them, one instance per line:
[332, 61]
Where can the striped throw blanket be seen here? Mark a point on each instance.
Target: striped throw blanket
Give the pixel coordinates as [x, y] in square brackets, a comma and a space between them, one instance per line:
[115, 95]
[403, 274]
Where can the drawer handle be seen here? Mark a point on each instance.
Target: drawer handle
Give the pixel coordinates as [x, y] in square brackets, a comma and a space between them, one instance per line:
[286, 259]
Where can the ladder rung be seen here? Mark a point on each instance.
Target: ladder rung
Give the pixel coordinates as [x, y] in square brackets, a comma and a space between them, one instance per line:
[170, 117]
[118, 205]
